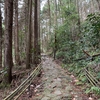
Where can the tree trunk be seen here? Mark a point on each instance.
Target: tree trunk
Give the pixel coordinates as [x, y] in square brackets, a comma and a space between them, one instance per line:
[39, 41]
[79, 22]
[28, 49]
[49, 18]
[0, 38]
[98, 3]
[55, 23]
[36, 33]
[17, 58]
[8, 41]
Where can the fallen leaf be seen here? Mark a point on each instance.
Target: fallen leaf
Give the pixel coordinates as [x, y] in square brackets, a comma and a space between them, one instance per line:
[32, 85]
[26, 90]
[35, 90]
[37, 94]
[73, 99]
[72, 76]
[76, 96]
[75, 80]
[90, 98]
[37, 86]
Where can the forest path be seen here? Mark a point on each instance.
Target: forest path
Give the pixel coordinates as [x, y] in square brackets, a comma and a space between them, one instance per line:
[56, 84]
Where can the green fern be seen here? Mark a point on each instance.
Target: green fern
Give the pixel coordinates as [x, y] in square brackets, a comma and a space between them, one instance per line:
[93, 89]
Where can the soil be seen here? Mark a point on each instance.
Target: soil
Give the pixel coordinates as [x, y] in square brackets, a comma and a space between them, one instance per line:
[54, 83]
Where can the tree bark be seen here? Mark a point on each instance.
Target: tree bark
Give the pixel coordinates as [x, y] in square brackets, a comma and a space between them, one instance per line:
[98, 3]
[8, 63]
[55, 23]
[0, 38]
[79, 22]
[49, 18]
[17, 58]
[36, 33]
[28, 49]
[39, 46]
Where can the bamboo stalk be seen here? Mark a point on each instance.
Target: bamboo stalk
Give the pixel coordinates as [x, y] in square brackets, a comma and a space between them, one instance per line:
[24, 88]
[9, 97]
[89, 77]
[89, 80]
[21, 87]
[93, 77]
[21, 92]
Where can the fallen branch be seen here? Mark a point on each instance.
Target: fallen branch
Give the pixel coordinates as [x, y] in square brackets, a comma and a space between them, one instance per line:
[86, 53]
[87, 57]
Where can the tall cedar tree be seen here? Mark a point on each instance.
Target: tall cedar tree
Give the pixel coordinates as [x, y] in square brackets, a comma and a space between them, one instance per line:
[28, 49]
[8, 63]
[17, 58]
[36, 33]
[0, 38]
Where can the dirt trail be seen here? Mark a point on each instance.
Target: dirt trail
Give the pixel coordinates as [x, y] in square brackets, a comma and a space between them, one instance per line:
[56, 84]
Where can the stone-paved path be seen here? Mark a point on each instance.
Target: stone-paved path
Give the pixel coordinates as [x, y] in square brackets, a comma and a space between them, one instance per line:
[56, 84]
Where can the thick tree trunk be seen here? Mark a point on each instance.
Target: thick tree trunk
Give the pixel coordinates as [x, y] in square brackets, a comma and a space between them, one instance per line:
[28, 49]
[8, 41]
[17, 58]
[0, 38]
[36, 34]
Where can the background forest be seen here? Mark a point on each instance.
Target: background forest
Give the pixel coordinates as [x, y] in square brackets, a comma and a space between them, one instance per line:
[73, 30]
[68, 29]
